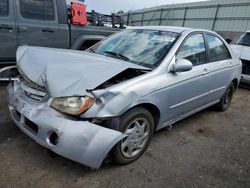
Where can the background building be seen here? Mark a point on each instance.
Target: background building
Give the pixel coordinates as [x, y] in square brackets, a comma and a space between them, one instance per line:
[227, 17]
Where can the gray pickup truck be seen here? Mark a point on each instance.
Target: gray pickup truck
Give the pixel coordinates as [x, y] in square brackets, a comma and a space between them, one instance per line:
[42, 23]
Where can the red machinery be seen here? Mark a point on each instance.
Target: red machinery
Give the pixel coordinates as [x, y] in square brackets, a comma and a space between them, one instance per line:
[78, 14]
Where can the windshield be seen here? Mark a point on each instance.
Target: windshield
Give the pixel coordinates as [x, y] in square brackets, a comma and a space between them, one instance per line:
[142, 47]
[243, 39]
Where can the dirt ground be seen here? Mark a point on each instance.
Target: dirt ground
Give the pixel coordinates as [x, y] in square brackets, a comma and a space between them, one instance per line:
[209, 149]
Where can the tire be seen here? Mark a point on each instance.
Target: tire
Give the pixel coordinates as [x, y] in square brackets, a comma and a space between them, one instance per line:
[226, 99]
[132, 147]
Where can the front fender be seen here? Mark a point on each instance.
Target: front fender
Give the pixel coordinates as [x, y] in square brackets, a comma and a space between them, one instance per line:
[117, 103]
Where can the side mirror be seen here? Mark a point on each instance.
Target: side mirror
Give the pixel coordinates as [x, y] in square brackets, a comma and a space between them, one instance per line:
[182, 65]
[228, 41]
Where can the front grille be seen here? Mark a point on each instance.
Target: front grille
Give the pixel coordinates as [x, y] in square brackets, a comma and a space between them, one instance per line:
[33, 85]
[35, 94]
[31, 89]
[245, 67]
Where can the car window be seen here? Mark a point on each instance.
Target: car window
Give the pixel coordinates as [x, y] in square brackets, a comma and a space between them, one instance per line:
[37, 9]
[217, 49]
[193, 50]
[4, 9]
[243, 39]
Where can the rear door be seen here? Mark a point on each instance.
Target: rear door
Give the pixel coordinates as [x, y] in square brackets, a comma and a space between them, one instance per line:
[7, 32]
[220, 68]
[38, 23]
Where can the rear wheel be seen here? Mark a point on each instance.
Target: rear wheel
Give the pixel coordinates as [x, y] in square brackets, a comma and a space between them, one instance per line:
[226, 99]
[138, 124]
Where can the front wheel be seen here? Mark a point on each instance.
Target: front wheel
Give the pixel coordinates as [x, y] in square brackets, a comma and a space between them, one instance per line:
[226, 99]
[138, 124]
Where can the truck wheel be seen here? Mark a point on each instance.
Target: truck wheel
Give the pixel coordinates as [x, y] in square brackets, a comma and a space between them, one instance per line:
[138, 124]
[226, 99]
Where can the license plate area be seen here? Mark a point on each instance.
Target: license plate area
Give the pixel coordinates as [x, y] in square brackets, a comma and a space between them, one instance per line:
[22, 107]
[23, 110]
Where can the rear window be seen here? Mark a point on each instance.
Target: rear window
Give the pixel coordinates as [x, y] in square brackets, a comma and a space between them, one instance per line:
[243, 39]
[37, 9]
[4, 9]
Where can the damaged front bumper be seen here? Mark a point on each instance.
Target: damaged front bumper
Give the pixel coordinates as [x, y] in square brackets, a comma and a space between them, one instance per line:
[80, 141]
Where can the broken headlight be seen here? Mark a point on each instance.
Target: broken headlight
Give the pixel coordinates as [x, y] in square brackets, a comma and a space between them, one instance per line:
[72, 105]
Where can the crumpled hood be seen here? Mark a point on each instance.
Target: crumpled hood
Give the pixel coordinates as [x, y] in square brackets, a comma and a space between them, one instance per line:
[68, 72]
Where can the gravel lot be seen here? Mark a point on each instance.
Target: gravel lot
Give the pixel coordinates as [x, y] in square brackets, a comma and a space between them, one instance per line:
[209, 149]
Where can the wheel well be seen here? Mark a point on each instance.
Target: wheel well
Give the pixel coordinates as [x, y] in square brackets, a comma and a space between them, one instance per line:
[235, 81]
[153, 110]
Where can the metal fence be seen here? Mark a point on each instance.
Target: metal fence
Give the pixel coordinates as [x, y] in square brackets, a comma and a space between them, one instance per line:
[233, 17]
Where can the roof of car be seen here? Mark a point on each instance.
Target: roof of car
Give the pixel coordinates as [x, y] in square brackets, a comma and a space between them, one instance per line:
[168, 28]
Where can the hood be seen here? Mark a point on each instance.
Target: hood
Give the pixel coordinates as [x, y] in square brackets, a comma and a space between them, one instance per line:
[237, 49]
[241, 51]
[68, 72]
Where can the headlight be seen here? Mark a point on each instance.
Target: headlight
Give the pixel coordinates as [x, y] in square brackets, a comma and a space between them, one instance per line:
[72, 105]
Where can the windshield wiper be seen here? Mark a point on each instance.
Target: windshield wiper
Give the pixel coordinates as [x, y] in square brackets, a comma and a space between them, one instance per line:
[120, 56]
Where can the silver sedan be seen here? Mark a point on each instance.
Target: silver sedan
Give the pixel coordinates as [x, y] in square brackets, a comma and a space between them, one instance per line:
[113, 97]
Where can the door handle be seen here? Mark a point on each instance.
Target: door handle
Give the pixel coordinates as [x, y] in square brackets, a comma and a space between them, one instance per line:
[205, 72]
[6, 27]
[48, 30]
[231, 64]
[22, 29]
